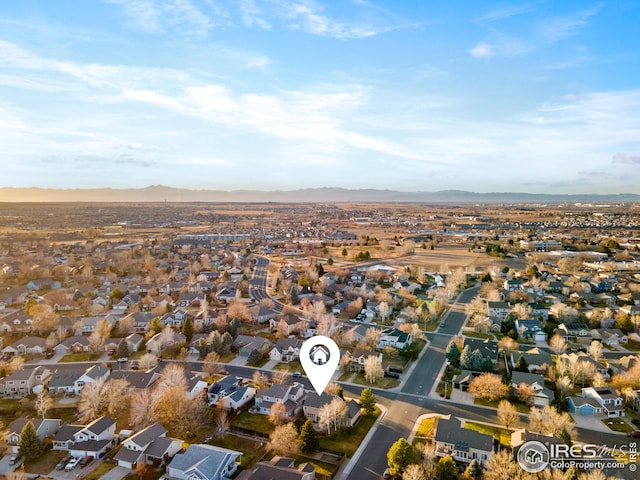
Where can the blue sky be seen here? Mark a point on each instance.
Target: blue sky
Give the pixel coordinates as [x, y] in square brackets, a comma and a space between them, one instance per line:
[485, 96]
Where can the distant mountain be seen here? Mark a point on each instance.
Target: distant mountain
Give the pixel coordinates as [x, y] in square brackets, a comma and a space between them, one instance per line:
[160, 193]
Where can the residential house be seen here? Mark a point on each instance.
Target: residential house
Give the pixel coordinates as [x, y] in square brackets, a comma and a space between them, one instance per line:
[291, 396]
[537, 359]
[150, 446]
[531, 329]
[28, 344]
[286, 350]
[512, 285]
[280, 468]
[88, 324]
[522, 436]
[597, 401]
[573, 331]
[134, 341]
[499, 309]
[358, 358]
[204, 462]
[462, 444]
[464, 379]
[72, 380]
[610, 336]
[539, 312]
[162, 340]
[543, 396]
[91, 440]
[75, 344]
[487, 348]
[43, 284]
[23, 382]
[570, 358]
[137, 380]
[393, 337]
[294, 323]
[229, 391]
[245, 344]
[314, 402]
[45, 428]
[140, 321]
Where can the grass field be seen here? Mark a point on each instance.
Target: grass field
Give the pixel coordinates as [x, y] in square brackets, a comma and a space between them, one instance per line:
[81, 357]
[379, 383]
[251, 450]
[100, 470]
[253, 421]
[520, 407]
[617, 425]
[348, 440]
[425, 430]
[501, 434]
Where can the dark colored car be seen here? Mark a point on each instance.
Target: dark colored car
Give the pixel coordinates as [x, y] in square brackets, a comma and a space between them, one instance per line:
[61, 464]
[85, 461]
[634, 434]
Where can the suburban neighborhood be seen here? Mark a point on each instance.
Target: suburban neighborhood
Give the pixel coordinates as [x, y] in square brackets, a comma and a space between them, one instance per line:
[146, 353]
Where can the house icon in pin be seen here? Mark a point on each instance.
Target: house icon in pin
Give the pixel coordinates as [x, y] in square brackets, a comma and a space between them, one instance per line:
[319, 354]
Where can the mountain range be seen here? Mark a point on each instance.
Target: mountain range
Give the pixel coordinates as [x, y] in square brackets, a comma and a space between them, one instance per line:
[160, 193]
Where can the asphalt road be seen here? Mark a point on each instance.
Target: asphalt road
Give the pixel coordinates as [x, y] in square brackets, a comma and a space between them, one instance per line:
[259, 283]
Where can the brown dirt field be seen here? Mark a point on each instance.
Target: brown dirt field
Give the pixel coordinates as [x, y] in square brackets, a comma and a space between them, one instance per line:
[456, 257]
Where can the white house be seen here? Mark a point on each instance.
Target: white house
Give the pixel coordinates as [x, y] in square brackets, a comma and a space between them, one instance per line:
[204, 462]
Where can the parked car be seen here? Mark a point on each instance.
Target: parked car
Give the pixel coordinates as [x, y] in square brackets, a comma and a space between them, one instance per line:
[72, 464]
[296, 375]
[634, 434]
[85, 461]
[387, 474]
[443, 325]
[15, 460]
[61, 464]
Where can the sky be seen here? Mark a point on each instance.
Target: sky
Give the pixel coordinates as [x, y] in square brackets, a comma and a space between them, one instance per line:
[416, 95]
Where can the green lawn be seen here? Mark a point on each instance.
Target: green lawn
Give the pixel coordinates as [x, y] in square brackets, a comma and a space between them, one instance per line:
[8, 406]
[294, 366]
[473, 334]
[633, 346]
[349, 439]
[345, 376]
[253, 421]
[520, 407]
[260, 363]
[100, 470]
[501, 434]
[251, 450]
[46, 462]
[81, 357]
[617, 425]
[379, 383]
[425, 430]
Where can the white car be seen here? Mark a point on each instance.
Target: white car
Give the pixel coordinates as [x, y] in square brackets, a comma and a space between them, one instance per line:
[72, 464]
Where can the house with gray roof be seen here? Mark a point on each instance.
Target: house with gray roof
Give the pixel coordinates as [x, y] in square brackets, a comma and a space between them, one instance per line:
[291, 396]
[46, 427]
[314, 402]
[28, 344]
[393, 337]
[92, 440]
[462, 444]
[137, 380]
[204, 462]
[75, 344]
[286, 350]
[150, 445]
[72, 380]
[281, 468]
[543, 396]
[22, 382]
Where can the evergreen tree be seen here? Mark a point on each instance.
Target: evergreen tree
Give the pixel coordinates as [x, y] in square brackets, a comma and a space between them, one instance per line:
[521, 365]
[344, 252]
[30, 446]
[234, 327]
[330, 261]
[340, 392]
[367, 401]
[453, 353]
[474, 470]
[187, 329]
[155, 325]
[446, 469]
[123, 349]
[487, 365]
[308, 439]
[400, 455]
[565, 436]
[465, 357]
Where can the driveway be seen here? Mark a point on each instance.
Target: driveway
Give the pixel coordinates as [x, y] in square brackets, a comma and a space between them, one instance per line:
[4, 464]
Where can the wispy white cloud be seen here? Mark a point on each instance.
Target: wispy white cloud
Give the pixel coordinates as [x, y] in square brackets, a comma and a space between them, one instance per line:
[253, 15]
[482, 50]
[502, 13]
[560, 27]
[627, 159]
[155, 16]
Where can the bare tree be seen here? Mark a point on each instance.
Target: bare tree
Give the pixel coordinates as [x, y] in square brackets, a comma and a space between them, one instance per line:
[283, 439]
[507, 345]
[279, 376]
[211, 364]
[278, 413]
[507, 414]
[43, 403]
[333, 415]
[116, 396]
[173, 375]
[267, 303]
[143, 410]
[501, 466]
[384, 309]
[92, 402]
[373, 368]
[259, 379]
[548, 421]
[148, 361]
[221, 420]
[414, 472]
[595, 350]
[525, 393]
[16, 363]
[558, 344]
[488, 386]
[372, 337]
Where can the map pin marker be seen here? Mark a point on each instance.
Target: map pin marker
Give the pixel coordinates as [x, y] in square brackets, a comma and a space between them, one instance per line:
[319, 357]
